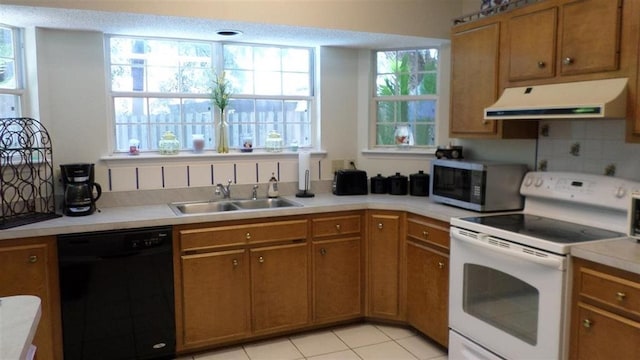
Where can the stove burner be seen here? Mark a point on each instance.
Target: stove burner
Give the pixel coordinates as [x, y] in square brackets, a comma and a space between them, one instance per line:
[553, 230]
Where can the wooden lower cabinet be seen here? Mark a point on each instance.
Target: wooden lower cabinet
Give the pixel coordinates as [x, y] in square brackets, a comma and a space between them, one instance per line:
[427, 269]
[279, 287]
[30, 267]
[383, 264]
[605, 318]
[215, 297]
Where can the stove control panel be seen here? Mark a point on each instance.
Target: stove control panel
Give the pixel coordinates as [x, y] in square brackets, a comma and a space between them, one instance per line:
[589, 189]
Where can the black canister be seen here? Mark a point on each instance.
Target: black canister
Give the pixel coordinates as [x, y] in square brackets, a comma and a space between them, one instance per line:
[419, 184]
[398, 184]
[379, 184]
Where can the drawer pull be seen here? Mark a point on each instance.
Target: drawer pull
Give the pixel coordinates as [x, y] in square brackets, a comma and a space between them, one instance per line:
[260, 259]
[425, 233]
[440, 265]
[567, 61]
[235, 262]
[248, 236]
[621, 296]
[33, 259]
[541, 64]
[338, 227]
[587, 323]
[380, 226]
[323, 251]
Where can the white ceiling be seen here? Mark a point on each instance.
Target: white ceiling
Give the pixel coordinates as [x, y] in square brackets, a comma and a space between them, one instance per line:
[204, 29]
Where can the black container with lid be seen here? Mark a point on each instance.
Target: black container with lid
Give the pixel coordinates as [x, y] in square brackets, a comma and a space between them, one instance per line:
[419, 184]
[398, 184]
[379, 184]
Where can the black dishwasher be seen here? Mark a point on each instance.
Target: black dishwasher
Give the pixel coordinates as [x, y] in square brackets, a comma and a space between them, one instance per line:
[116, 290]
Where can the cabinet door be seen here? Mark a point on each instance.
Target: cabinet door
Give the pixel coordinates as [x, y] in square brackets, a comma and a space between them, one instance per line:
[336, 280]
[474, 80]
[532, 45]
[383, 263]
[599, 334]
[215, 297]
[590, 36]
[279, 287]
[30, 268]
[428, 292]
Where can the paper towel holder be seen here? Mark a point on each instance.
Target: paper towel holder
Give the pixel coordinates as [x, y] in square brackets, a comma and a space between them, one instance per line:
[305, 193]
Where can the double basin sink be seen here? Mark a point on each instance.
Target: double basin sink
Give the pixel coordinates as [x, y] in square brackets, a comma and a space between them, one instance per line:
[204, 207]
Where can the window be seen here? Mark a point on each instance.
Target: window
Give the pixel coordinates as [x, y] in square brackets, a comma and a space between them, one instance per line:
[406, 97]
[160, 85]
[11, 85]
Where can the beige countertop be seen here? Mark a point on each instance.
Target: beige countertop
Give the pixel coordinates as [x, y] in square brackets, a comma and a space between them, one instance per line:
[19, 318]
[128, 217]
[622, 253]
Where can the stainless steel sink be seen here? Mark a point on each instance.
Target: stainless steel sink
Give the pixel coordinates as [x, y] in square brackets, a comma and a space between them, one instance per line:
[265, 203]
[203, 207]
[200, 207]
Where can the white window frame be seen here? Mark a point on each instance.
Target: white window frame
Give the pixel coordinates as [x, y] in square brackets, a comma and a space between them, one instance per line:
[20, 91]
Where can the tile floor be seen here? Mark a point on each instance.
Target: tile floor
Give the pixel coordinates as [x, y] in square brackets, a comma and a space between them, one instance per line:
[354, 342]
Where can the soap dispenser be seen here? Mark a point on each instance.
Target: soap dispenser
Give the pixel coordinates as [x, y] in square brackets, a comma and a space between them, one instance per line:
[272, 192]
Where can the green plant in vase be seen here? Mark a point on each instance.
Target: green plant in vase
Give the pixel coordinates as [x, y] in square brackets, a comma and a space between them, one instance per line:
[220, 96]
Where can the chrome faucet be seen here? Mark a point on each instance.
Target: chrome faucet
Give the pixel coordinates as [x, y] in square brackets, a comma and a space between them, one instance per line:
[254, 193]
[224, 190]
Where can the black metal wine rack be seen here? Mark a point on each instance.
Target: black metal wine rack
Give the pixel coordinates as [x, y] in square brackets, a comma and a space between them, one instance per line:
[26, 173]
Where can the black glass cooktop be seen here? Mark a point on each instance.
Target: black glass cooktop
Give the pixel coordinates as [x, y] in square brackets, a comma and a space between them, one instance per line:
[544, 228]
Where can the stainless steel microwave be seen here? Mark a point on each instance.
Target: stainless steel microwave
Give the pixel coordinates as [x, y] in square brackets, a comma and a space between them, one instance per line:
[477, 185]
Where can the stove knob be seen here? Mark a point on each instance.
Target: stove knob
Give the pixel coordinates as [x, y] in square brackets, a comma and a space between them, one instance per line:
[539, 182]
[528, 181]
[620, 192]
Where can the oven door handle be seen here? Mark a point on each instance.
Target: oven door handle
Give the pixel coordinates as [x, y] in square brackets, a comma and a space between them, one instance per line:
[552, 262]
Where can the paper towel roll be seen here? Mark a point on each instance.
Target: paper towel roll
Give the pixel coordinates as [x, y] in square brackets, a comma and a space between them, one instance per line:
[304, 160]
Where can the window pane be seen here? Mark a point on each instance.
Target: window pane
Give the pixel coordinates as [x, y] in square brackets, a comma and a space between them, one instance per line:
[267, 59]
[296, 84]
[295, 60]
[268, 83]
[9, 106]
[238, 57]
[385, 134]
[7, 60]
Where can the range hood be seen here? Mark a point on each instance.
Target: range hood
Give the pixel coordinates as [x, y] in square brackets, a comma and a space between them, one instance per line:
[577, 100]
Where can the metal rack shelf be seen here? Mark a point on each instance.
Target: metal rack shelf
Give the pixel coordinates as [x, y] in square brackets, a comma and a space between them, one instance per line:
[487, 10]
[26, 173]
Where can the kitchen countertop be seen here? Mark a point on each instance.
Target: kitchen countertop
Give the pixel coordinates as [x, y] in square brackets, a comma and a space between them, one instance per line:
[19, 318]
[157, 215]
[622, 253]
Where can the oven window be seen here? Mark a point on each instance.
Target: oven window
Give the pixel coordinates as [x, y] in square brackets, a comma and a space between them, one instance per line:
[501, 300]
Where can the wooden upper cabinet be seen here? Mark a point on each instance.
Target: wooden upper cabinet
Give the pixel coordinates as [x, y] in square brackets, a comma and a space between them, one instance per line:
[531, 41]
[590, 36]
[474, 80]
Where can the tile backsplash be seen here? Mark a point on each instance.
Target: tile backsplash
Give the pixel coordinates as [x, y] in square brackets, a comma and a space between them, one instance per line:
[589, 146]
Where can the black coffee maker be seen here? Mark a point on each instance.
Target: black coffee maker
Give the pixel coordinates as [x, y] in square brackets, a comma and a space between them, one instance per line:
[80, 190]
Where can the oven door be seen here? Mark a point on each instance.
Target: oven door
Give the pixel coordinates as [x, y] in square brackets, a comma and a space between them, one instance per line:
[505, 299]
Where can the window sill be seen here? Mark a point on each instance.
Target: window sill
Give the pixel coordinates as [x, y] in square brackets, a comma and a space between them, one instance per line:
[183, 156]
[396, 152]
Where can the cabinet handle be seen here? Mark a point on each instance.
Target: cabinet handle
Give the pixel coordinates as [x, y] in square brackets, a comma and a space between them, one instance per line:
[380, 226]
[541, 64]
[567, 61]
[33, 259]
[323, 251]
[620, 296]
[440, 265]
[235, 262]
[248, 236]
[587, 323]
[338, 227]
[260, 259]
[425, 233]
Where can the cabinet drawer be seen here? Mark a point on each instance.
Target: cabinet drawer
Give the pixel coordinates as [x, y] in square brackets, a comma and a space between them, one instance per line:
[428, 230]
[611, 290]
[235, 235]
[333, 226]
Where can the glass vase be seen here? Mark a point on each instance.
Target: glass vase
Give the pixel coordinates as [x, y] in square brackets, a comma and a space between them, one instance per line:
[222, 136]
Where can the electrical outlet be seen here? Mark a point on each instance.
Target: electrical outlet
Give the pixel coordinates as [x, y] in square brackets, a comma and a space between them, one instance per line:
[337, 165]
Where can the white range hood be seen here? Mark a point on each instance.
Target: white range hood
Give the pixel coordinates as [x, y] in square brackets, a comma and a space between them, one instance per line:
[577, 100]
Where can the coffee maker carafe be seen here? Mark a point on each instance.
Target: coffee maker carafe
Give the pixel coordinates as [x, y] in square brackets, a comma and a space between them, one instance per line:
[80, 190]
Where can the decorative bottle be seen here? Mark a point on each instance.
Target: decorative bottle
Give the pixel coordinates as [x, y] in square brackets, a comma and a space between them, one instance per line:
[222, 137]
[272, 191]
